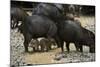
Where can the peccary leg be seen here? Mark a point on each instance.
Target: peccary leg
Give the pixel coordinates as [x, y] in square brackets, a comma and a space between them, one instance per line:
[48, 46]
[77, 46]
[81, 48]
[42, 47]
[62, 45]
[26, 41]
[57, 39]
[34, 49]
[37, 47]
[59, 42]
[17, 24]
[13, 23]
[26, 46]
[92, 49]
[67, 46]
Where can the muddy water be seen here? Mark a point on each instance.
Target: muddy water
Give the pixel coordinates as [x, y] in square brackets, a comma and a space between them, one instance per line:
[18, 57]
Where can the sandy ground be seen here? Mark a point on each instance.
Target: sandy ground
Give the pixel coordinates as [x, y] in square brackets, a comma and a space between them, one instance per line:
[53, 56]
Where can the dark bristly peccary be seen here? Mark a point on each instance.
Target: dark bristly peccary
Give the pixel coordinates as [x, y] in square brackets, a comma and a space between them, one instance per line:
[72, 9]
[37, 26]
[69, 31]
[34, 43]
[17, 14]
[88, 39]
[42, 43]
[72, 32]
[45, 44]
[53, 11]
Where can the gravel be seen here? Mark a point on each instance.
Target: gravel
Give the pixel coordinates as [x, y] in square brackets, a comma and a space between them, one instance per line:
[72, 57]
[17, 48]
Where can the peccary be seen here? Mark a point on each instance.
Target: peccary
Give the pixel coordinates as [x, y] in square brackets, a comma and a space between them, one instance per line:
[17, 14]
[70, 31]
[87, 40]
[37, 26]
[34, 43]
[53, 11]
[45, 44]
[75, 10]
